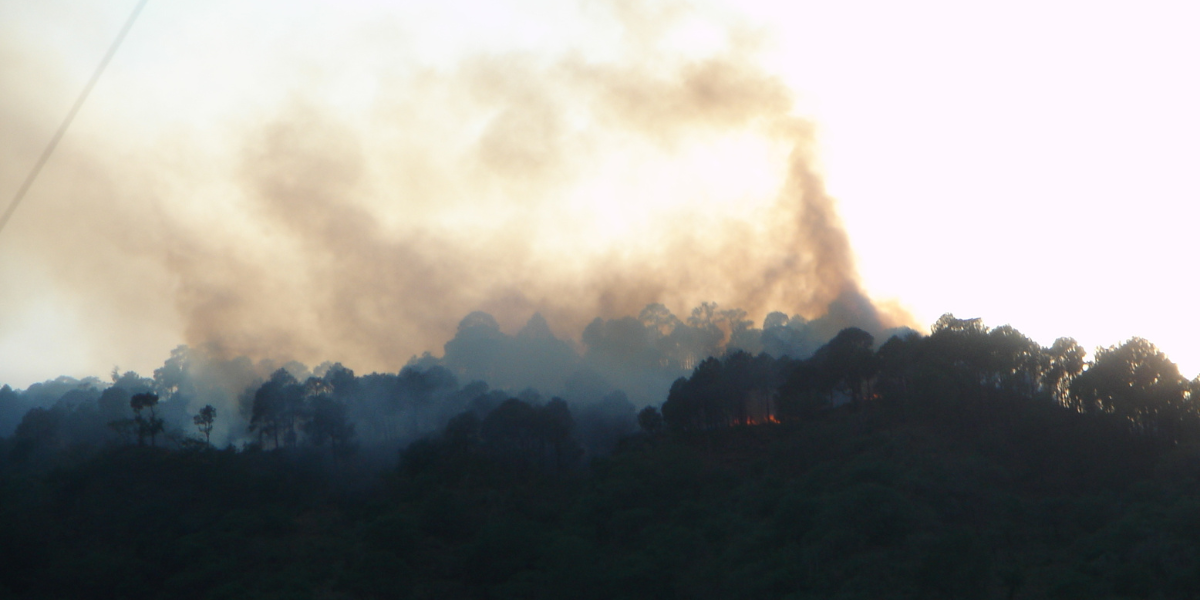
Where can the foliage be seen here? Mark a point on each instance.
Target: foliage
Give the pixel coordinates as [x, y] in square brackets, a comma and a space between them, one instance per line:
[967, 464]
[149, 424]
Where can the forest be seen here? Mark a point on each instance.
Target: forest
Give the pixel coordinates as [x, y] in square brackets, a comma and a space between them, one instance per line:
[660, 458]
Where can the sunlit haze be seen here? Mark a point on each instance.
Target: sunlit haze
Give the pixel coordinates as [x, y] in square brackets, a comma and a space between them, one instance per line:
[344, 181]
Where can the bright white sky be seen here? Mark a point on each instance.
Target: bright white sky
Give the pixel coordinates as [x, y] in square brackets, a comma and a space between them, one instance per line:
[1031, 163]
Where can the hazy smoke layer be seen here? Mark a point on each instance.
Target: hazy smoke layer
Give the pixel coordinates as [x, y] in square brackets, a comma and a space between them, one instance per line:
[364, 234]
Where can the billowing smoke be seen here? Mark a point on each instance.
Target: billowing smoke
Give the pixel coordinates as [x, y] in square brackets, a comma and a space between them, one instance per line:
[498, 183]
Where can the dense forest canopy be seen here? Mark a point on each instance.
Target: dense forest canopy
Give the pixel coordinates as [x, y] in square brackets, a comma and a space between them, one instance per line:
[621, 365]
[698, 458]
[713, 369]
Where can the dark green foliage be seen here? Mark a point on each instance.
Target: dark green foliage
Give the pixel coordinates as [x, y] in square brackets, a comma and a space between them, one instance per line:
[969, 464]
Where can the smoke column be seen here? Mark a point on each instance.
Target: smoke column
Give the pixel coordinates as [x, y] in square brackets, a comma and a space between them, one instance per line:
[361, 227]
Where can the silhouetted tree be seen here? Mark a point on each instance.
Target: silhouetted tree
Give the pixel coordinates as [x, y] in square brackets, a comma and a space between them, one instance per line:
[555, 427]
[1137, 382]
[204, 421]
[11, 409]
[113, 404]
[898, 358]
[147, 425]
[519, 433]
[39, 428]
[961, 344]
[845, 365]
[277, 403]
[805, 393]
[696, 403]
[1065, 360]
[600, 425]
[170, 377]
[622, 343]
[650, 420]
[328, 423]
[1015, 363]
[509, 431]
[342, 382]
[417, 389]
[462, 431]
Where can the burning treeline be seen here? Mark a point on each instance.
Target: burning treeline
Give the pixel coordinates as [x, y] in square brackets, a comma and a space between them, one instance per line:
[627, 363]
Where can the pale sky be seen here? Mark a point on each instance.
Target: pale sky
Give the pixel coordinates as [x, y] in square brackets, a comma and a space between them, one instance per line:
[1030, 163]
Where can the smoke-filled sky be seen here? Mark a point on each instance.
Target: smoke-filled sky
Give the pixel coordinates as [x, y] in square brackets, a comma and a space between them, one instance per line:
[346, 181]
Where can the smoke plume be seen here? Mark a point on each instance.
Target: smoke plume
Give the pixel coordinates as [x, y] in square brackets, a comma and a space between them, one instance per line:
[363, 230]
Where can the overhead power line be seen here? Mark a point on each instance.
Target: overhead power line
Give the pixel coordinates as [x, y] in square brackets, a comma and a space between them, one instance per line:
[62, 129]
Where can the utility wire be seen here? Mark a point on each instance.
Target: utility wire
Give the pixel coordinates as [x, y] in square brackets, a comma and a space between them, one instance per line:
[62, 129]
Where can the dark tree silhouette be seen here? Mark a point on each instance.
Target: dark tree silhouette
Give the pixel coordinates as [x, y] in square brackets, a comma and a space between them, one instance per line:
[169, 378]
[462, 431]
[650, 420]
[39, 428]
[277, 404]
[147, 425]
[967, 464]
[417, 389]
[696, 403]
[342, 382]
[519, 433]
[328, 423]
[805, 393]
[1065, 360]
[204, 421]
[623, 343]
[1137, 382]
[555, 426]
[898, 358]
[849, 363]
[1015, 363]
[960, 344]
[510, 431]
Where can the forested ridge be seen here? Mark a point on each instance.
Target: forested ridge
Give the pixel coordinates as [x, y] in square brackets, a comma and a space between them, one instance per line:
[968, 463]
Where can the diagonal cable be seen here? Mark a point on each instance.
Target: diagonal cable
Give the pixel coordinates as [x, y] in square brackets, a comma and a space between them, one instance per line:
[62, 129]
